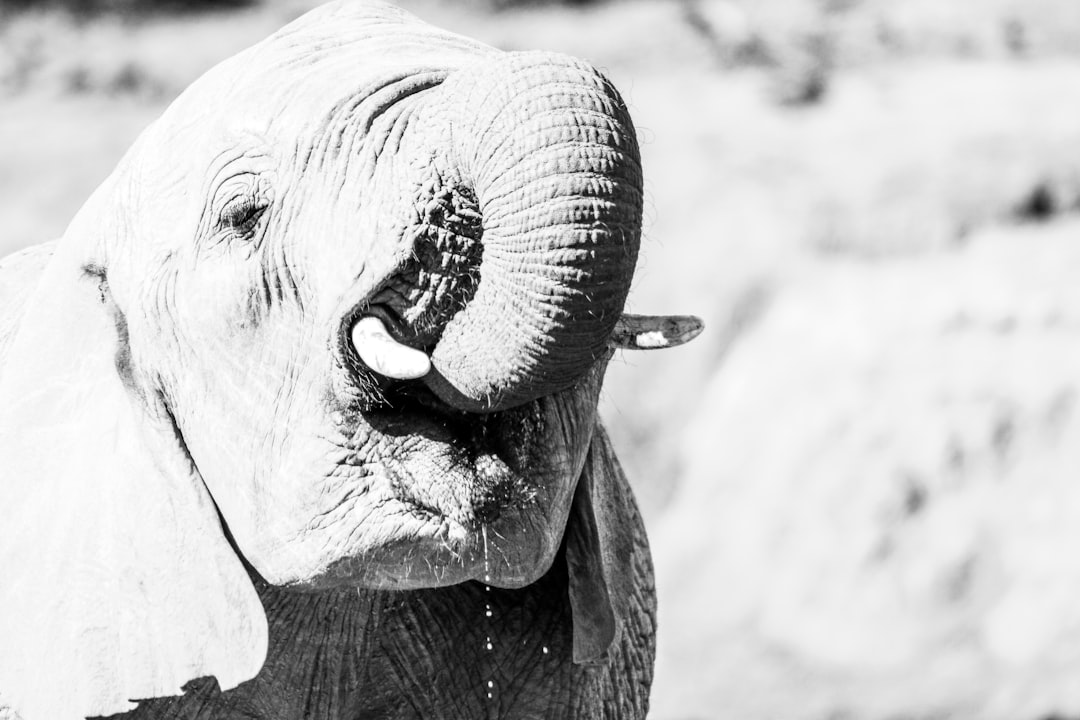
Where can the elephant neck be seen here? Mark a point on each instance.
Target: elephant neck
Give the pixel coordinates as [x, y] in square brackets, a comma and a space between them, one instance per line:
[407, 655]
[432, 653]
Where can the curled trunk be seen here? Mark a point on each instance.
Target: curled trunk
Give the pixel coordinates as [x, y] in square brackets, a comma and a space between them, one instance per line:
[543, 147]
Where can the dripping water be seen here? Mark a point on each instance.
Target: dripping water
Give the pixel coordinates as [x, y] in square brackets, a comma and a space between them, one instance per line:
[487, 560]
[488, 646]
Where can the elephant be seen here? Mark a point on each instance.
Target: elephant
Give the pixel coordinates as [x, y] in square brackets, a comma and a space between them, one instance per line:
[298, 419]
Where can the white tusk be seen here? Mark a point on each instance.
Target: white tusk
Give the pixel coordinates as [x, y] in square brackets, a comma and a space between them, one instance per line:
[654, 332]
[384, 354]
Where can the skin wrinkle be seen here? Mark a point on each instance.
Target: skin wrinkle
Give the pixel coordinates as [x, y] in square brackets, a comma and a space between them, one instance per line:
[552, 281]
[619, 166]
[529, 343]
[538, 137]
[278, 262]
[584, 118]
[405, 669]
[273, 445]
[515, 78]
[373, 507]
[544, 186]
[342, 510]
[441, 275]
[551, 271]
[574, 191]
[354, 118]
[250, 157]
[473, 164]
[350, 491]
[542, 190]
[593, 236]
[335, 499]
[391, 140]
[578, 103]
[351, 119]
[575, 184]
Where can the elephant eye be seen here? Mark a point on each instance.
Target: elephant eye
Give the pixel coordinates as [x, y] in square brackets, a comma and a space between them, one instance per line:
[242, 214]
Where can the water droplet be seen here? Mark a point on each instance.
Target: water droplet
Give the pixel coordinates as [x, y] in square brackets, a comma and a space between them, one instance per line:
[488, 612]
[489, 646]
[487, 564]
[491, 683]
[545, 650]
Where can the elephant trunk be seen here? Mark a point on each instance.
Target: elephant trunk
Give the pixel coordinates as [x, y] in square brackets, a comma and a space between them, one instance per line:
[548, 150]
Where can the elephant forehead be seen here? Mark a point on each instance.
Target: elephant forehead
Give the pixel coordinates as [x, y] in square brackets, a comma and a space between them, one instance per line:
[339, 51]
[335, 68]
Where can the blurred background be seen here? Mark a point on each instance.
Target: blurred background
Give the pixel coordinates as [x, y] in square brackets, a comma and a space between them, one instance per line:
[862, 483]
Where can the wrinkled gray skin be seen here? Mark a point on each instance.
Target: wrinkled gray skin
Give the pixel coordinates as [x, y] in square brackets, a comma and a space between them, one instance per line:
[487, 207]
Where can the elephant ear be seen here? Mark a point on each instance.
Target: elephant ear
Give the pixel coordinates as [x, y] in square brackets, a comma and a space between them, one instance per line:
[117, 582]
[606, 553]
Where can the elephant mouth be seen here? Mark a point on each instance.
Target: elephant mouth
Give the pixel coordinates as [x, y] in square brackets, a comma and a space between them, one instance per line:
[472, 496]
[467, 468]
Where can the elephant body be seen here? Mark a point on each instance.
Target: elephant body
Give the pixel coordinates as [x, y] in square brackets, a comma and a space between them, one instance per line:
[298, 418]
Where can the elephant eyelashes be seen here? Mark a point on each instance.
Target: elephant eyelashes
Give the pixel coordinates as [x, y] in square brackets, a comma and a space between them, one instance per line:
[242, 214]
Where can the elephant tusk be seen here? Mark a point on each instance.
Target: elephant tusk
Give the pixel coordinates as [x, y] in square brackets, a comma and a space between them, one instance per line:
[654, 332]
[384, 354]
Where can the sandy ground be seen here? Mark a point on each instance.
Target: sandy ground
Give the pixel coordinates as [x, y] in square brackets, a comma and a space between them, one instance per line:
[778, 138]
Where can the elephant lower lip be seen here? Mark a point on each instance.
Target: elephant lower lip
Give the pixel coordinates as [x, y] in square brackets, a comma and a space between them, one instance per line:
[509, 553]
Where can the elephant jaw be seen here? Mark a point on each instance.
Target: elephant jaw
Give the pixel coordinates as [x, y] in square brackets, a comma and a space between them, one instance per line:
[461, 496]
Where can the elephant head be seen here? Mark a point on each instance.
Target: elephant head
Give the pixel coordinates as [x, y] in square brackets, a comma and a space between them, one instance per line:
[339, 317]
